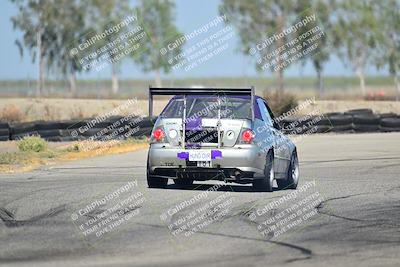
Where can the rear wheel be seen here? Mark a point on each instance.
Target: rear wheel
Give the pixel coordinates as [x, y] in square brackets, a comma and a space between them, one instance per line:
[155, 182]
[292, 178]
[183, 183]
[266, 183]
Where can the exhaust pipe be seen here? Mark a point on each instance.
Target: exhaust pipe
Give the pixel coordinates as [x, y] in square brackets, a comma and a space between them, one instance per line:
[238, 175]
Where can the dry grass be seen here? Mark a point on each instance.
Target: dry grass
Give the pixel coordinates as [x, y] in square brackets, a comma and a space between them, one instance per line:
[11, 113]
[33, 109]
[21, 161]
[106, 148]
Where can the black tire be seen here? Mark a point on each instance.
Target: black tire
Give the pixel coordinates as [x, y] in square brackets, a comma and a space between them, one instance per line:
[22, 128]
[65, 133]
[53, 138]
[340, 120]
[5, 132]
[366, 128]
[366, 119]
[288, 124]
[330, 114]
[388, 115]
[389, 129]
[93, 131]
[75, 124]
[147, 122]
[360, 111]
[48, 133]
[142, 132]
[106, 123]
[292, 178]
[323, 121]
[343, 128]
[303, 121]
[154, 182]
[113, 119]
[297, 130]
[323, 129]
[265, 184]
[66, 139]
[4, 125]
[4, 138]
[50, 125]
[183, 183]
[307, 125]
[22, 135]
[390, 122]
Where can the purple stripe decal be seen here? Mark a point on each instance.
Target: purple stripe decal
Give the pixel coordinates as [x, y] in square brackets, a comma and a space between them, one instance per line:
[216, 154]
[182, 155]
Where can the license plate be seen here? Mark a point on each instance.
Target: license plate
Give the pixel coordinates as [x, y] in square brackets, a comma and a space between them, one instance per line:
[204, 164]
[201, 155]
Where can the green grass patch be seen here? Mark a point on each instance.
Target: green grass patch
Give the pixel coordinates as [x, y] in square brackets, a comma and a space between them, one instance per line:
[32, 144]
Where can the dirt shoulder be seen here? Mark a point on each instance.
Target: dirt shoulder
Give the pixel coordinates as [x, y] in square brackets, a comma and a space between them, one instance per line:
[12, 160]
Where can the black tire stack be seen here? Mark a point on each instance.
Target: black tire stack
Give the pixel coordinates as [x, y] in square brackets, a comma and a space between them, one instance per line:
[306, 125]
[341, 122]
[4, 131]
[74, 130]
[390, 122]
[358, 120]
[355, 120]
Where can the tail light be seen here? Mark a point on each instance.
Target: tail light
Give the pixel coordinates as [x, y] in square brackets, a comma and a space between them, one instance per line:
[247, 136]
[158, 135]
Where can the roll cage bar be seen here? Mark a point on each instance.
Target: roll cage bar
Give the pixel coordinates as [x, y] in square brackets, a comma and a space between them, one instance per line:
[201, 91]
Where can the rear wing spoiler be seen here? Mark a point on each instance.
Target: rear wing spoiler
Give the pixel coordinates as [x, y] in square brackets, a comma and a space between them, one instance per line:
[201, 91]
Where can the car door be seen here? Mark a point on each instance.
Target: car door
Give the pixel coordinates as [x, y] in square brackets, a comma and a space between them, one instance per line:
[284, 144]
[279, 140]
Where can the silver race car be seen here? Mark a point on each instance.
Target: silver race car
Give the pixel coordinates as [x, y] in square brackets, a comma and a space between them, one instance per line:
[219, 134]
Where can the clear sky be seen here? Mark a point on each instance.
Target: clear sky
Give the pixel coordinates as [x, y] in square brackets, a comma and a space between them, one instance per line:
[190, 15]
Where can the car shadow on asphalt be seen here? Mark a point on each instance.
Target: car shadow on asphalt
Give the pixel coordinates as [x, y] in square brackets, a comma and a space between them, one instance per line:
[223, 188]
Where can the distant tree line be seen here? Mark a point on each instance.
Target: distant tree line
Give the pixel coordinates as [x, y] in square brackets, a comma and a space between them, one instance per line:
[52, 27]
[361, 33]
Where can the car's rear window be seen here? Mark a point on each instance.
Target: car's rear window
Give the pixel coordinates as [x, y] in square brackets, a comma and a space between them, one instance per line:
[207, 107]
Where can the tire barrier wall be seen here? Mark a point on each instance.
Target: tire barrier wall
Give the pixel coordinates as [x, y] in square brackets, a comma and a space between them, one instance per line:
[74, 130]
[358, 120]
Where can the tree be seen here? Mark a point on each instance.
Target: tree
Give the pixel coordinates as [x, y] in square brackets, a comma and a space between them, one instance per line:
[34, 20]
[157, 16]
[255, 21]
[49, 29]
[69, 26]
[389, 46]
[107, 14]
[322, 53]
[356, 32]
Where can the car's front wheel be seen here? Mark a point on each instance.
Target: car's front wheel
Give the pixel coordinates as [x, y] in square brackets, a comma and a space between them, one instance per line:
[292, 178]
[266, 183]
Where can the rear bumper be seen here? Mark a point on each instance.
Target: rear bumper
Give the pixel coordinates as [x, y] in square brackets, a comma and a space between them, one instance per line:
[245, 159]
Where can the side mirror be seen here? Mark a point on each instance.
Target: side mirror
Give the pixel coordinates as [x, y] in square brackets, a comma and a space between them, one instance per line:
[277, 125]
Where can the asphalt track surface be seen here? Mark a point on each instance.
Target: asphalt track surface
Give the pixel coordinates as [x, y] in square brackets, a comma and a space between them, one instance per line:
[356, 221]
